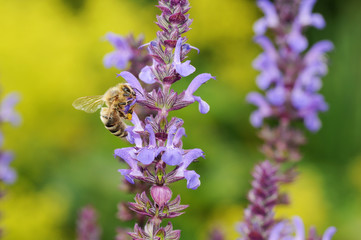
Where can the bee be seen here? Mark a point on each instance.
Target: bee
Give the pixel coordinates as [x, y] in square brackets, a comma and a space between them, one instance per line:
[119, 101]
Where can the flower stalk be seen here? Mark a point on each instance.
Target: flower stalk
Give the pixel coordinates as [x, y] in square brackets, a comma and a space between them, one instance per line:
[157, 157]
[291, 78]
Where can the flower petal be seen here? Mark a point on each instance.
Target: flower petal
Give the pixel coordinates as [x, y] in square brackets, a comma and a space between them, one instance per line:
[134, 83]
[185, 69]
[193, 181]
[179, 134]
[146, 75]
[146, 155]
[299, 228]
[116, 40]
[172, 156]
[126, 174]
[296, 40]
[195, 84]
[312, 122]
[329, 233]
[203, 106]
[260, 26]
[270, 12]
[276, 231]
[276, 96]
[7, 112]
[152, 142]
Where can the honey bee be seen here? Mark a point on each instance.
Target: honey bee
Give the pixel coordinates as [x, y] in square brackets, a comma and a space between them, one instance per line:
[119, 101]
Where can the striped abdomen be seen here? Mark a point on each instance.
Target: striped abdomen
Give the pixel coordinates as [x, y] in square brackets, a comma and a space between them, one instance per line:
[113, 122]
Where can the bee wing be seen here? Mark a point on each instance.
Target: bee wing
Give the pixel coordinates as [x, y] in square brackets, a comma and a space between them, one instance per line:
[89, 104]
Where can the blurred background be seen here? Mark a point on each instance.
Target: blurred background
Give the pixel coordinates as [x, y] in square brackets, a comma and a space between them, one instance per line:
[51, 53]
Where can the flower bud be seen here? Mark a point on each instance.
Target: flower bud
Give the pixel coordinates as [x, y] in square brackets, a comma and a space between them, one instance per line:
[161, 195]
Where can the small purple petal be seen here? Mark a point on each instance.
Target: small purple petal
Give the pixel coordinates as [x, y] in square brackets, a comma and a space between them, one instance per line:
[329, 233]
[193, 181]
[134, 83]
[306, 18]
[312, 122]
[116, 40]
[179, 134]
[171, 134]
[318, 21]
[195, 84]
[203, 106]
[316, 52]
[146, 156]
[299, 228]
[6, 158]
[126, 174]
[260, 27]
[277, 231]
[152, 142]
[300, 99]
[172, 156]
[137, 123]
[190, 156]
[7, 113]
[146, 75]
[185, 69]
[267, 46]
[296, 40]
[270, 12]
[256, 119]
[276, 96]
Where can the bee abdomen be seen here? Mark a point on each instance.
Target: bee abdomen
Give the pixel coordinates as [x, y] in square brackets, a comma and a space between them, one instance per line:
[117, 129]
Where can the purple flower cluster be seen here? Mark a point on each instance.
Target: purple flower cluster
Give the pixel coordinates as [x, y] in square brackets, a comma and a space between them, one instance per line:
[8, 114]
[159, 140]
[290, 77]
[157, 157]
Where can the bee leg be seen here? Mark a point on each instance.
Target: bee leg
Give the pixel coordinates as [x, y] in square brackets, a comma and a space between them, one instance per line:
[107, 117]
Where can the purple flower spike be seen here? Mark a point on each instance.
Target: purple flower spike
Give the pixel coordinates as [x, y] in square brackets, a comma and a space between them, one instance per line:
[288, 76]
[184, 69]
[7, 113]
[121, 56]
[157, 156]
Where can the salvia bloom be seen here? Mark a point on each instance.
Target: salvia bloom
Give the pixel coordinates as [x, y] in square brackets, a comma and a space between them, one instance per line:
[158, 157]
[8, 114]
[295, 230]
[290, 76]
